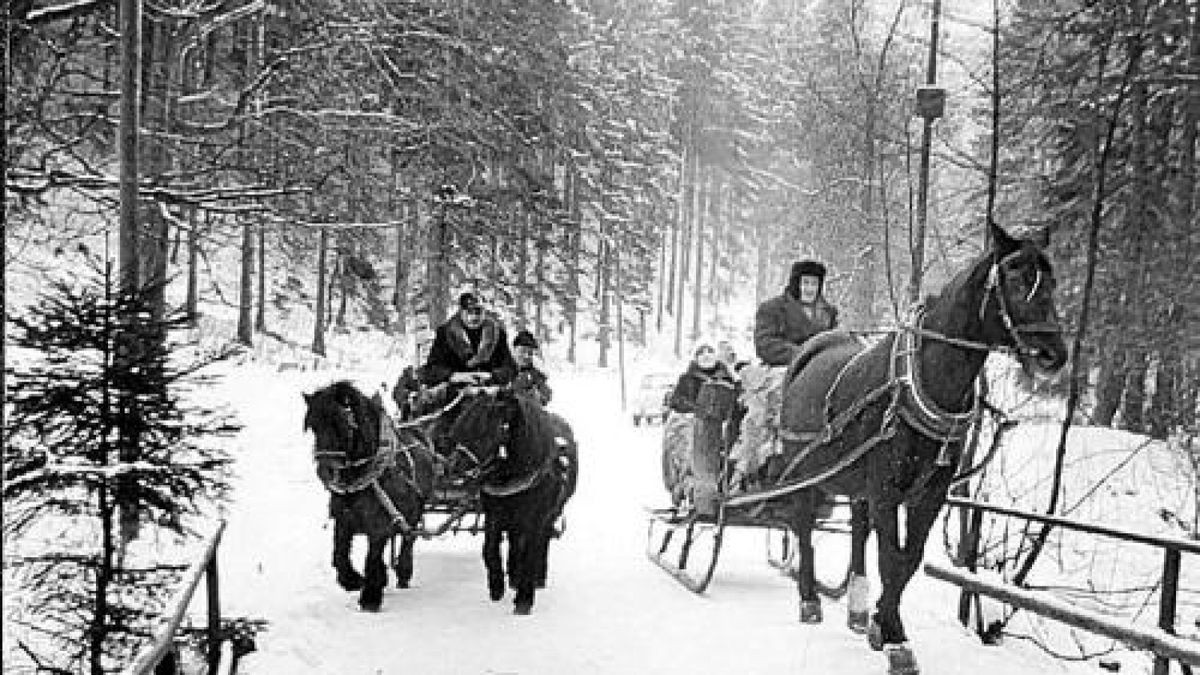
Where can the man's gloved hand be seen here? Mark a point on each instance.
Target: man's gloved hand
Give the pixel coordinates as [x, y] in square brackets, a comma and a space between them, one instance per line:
[465, 378]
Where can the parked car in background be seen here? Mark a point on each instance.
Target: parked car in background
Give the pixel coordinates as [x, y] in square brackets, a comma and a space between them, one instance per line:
[651, 398]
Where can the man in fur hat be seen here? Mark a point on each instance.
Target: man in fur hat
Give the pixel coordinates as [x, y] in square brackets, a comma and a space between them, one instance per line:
[469, 349]
[781, 325]
[785, 322]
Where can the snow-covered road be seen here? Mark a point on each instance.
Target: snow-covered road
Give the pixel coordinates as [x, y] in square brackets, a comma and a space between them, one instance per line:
[606, 609]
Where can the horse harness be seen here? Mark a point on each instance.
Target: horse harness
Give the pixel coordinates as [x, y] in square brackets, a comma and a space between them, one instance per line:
[907, 401]
[384, 458]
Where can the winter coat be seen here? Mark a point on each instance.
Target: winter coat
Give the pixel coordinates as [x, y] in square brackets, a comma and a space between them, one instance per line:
[531, 381]
[683, 397]
[783, 323]
[457, 349]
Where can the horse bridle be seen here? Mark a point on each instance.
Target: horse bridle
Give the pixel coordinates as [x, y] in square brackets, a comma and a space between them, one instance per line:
[994, 287]
[352, 423]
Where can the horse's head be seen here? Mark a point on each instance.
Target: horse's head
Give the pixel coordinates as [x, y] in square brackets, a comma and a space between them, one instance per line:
[1017, 309]
[485, 426]
[345, 424]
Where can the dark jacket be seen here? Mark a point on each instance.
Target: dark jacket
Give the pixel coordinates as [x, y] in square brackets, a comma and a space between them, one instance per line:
[683, 396]
[459, 350]
[531, 381]
[783, 323]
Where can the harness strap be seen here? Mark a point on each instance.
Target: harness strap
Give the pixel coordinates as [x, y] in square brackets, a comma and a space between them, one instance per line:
[399, 522]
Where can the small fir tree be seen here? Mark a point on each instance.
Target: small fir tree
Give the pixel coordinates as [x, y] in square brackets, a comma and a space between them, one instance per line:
[100, 434]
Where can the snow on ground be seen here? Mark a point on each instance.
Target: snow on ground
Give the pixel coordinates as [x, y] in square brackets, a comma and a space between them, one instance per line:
[607, 609]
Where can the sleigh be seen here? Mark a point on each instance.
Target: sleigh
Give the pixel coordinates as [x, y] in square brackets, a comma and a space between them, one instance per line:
[685, 538]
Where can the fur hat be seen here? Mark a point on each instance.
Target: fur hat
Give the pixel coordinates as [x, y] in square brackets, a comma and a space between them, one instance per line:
[469, 300]
[525, 339]
[808, 268]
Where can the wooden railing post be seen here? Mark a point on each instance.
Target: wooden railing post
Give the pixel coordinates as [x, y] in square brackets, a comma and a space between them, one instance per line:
[970, 559]
[214, 614]
[1167, 603]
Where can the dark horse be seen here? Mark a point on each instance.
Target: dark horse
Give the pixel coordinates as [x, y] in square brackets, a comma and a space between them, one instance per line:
[378, 476]
[528, 466]
[887, 423]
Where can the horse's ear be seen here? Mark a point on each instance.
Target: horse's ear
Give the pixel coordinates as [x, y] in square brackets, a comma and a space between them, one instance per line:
[1002, 243]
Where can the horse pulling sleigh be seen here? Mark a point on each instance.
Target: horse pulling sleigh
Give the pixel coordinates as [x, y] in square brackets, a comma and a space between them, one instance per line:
[509, 470]
[882, 425]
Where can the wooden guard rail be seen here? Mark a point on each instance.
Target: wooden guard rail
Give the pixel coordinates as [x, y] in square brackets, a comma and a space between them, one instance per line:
[204, 566]
[1163, 642]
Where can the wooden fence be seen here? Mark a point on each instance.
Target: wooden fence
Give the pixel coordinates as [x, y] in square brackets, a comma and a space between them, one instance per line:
[219, 660]
[1163, 642]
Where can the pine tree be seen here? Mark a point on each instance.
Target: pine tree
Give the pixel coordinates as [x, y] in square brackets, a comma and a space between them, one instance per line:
[99, 427]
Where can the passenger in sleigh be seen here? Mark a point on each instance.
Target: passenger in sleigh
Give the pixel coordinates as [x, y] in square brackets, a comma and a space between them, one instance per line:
[469, 349]
[529, 380]
[696, 430]
[781, 327]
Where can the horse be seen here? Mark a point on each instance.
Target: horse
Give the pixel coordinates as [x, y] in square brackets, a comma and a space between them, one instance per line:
[527, 467]
[886, 424]
[378, 476]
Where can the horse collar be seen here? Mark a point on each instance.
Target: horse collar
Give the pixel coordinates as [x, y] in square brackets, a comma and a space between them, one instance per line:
[916, 408]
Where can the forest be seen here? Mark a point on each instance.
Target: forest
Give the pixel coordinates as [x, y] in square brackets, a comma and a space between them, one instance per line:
[596, 165]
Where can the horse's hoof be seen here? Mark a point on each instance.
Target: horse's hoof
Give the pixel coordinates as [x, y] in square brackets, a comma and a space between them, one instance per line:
[351, 582]
[401, 583]
[495, 591]
[370, 604]
[810, 611]
[875, 636]
[901, 660]
[859, 622]
[523, 609]
[540, 583]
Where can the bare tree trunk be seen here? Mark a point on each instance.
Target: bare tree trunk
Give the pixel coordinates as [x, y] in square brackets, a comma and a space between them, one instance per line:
[704, 191]
[318, 343]
[574, 234]
[539, 275]
[191, 303]
[522, 243]
[605, 295]
[245, 327]
[437, 287]
[660, 301]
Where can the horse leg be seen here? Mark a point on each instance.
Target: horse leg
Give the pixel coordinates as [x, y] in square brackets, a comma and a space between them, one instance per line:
[858, 612]
[491, 557]
[347, 577]
[403, 562]
[806, 584]
[541, 555]
[522, 546]
[376, 572]
[886, 628]
[922, 512]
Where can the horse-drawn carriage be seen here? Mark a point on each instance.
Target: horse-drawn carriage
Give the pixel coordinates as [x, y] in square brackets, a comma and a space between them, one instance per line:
[501, 466]
[884, 424]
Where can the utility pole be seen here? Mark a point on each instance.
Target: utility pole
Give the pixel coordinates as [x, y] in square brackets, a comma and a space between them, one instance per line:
[931, 102]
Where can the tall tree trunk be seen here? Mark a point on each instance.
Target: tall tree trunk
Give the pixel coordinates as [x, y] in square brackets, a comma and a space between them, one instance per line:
[522, 244]
[437, 286]
[1110, 380]
[318, 343]
[191, 303]
[574, 234]
[1136, 226]
[605, 294]
[407, 223]
[245, 326]
[704, 191]
[260, 317]
[539, 275]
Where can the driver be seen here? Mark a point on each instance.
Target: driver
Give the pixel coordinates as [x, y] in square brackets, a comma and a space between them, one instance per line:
[469, 349]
